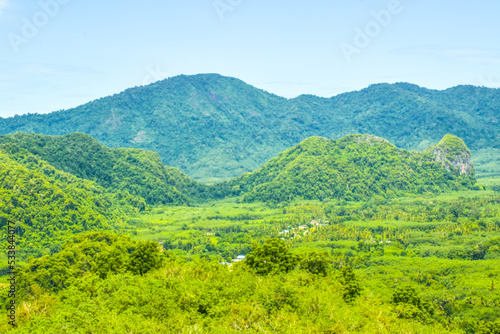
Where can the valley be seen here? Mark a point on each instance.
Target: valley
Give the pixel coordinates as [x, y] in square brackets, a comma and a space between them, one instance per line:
[340, 224]
[261, 167]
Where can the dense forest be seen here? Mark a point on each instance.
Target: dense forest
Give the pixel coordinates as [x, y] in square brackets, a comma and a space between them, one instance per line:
[48, 204]
[408, 265]
[330, 236]
[213, 127]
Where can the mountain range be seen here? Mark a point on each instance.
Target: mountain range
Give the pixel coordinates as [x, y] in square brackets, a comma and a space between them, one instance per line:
[216, 128]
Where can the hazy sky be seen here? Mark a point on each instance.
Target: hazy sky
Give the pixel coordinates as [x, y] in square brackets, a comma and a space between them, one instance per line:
[57, 54]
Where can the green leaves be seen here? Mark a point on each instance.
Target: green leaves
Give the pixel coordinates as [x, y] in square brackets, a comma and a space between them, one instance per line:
[410, 305]
[88, 286]
[109, 262]
[271, 258]
[145, 257]
[99, 253]
[48, 203]
[123, 171]
[351, 288]
[317, 263]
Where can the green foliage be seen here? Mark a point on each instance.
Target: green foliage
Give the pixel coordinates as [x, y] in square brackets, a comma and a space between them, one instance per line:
[99, 253]
[351, 289]
[112, 261]
[443, 246]
[272, 257]
[316, 263]
[487, 165]
[197, 295]
[48, 205]
[214, 127]
[140, 173]
[453, 146]
[145, 258]
[489, 327]
[410, 305]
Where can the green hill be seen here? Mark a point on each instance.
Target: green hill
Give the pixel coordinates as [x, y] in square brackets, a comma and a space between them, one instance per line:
[139, 172]
[47, 205]
[213, 127]
[358, 167]
[55, 186]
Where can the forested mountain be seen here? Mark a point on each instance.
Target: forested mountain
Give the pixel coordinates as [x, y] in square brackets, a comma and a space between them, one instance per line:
[206, 125]
[358, 167]
[214, 127]
[139, 172]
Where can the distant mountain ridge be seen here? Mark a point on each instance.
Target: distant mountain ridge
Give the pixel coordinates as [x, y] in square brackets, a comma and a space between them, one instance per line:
[213, 127]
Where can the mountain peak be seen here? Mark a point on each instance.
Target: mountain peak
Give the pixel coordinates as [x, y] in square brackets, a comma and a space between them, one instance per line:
[452, 152]
[202, 78]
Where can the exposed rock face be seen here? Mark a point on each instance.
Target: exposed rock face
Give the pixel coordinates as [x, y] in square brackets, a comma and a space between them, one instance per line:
[371, 139]
[452, 152]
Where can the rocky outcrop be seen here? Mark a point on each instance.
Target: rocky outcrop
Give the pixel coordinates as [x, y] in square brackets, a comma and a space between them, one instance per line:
[454, 155]
[370, 139]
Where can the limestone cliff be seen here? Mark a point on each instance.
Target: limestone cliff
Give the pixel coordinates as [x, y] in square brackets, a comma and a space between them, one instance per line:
[452, 152]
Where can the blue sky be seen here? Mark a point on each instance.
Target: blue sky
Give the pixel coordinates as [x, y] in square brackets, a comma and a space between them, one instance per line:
[57, 54]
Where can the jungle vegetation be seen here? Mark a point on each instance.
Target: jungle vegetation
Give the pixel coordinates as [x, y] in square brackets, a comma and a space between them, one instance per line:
[412, 247]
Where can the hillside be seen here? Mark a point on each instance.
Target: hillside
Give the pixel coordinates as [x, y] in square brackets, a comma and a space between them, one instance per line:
[426, 264]
[213, 127]
[358, 167]
[47, 204]
[139, 172]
